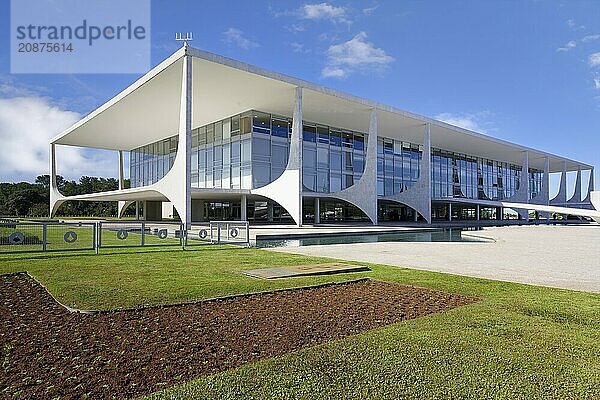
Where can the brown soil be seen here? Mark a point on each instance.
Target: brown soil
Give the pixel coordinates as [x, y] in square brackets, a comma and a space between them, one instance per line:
[48, 351]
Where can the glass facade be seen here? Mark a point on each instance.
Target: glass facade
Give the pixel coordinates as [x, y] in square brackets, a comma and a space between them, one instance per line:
[398, 165]
[332, 159]
[464, 176]
[147, 164]
[250, 150]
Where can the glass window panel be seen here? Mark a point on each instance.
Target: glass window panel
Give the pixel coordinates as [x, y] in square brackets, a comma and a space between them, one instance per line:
[245, 124]
[389, 166]
[246, 177]
[226, 129]
[194, 139]
[235, 176]
[261, 148]
[323, 134]
[347, 140]
[194, 161]
[388, 146]
[335, 183]
[218, 156]
[279, 128]
[279, 153]
[379, 146]
[226, 154]
[348, 180]
[210, 133]
[323, 181]
[322, 157]
[348, 161]
[261, 122]
[201, 159]
[309, 181]
[235, 152]
[246, 153]
[235, 123]
[359, 162]
[202, 135]
[388, 186]
[397, 186]
[261, 174]
[309, 133]
[309, 157]
[335, 160]
[218, 131]
[335, 138]
[359, 141]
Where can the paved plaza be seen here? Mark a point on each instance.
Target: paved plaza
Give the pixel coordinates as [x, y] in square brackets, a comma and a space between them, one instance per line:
[556, 256]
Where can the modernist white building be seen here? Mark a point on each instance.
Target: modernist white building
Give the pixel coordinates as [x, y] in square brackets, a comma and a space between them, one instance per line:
[214, 138]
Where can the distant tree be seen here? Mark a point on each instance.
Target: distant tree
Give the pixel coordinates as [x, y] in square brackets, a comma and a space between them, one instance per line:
[39, 210]
[24, 198]
[19, 202]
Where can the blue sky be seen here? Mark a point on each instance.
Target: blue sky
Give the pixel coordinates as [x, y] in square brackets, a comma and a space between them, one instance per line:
[525, 71]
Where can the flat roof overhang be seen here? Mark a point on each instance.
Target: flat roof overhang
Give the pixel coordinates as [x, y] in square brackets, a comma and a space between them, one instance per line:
[148, 111]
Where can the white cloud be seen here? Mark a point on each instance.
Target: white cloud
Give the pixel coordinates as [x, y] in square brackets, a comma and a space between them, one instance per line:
[595, 60]
[370, 10]
[299, 48]
[597, 83]
[590, 38]
[323, 11]
[26, 126]
[334, 72]
[570, 45]
[471, 121]
[355, 54]
[236, 36]
[573, 25]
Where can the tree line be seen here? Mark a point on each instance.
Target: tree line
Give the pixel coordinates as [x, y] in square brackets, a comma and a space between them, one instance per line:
[24, 199]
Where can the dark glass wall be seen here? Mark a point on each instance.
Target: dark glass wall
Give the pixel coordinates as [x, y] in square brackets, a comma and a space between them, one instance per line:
[250, 150]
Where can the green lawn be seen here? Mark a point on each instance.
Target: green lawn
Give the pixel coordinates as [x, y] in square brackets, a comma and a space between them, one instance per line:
[519, 342]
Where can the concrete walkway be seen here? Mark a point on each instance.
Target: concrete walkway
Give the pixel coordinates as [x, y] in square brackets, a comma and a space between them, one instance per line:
[556, 256]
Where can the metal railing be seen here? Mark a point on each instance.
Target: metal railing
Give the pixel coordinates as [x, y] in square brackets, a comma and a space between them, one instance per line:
[140, 234]
[47, 236]
[236, 232]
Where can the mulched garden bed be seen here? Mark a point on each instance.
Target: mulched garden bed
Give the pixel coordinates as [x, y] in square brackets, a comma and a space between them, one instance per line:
[48, 351]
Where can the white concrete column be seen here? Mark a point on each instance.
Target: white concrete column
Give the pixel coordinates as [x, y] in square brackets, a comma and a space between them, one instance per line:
[363, 194]
[121, 205]
[449, 211]
[244, 208]
[317, 210]
[137, 210]
[176, 184]
[185, 133]
[477, 212]
[576, 198]
[121, 175]
[287, 189]
[270, 211]
[56, 198]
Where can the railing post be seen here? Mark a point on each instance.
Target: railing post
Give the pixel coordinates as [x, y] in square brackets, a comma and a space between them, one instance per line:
[181, 234]
[143, 234]
[44, 236]
[95, 237]
[99, 237]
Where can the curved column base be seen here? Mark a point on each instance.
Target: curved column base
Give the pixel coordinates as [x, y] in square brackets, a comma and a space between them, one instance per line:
[122, 206]
[285, 191]
[413, 201]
